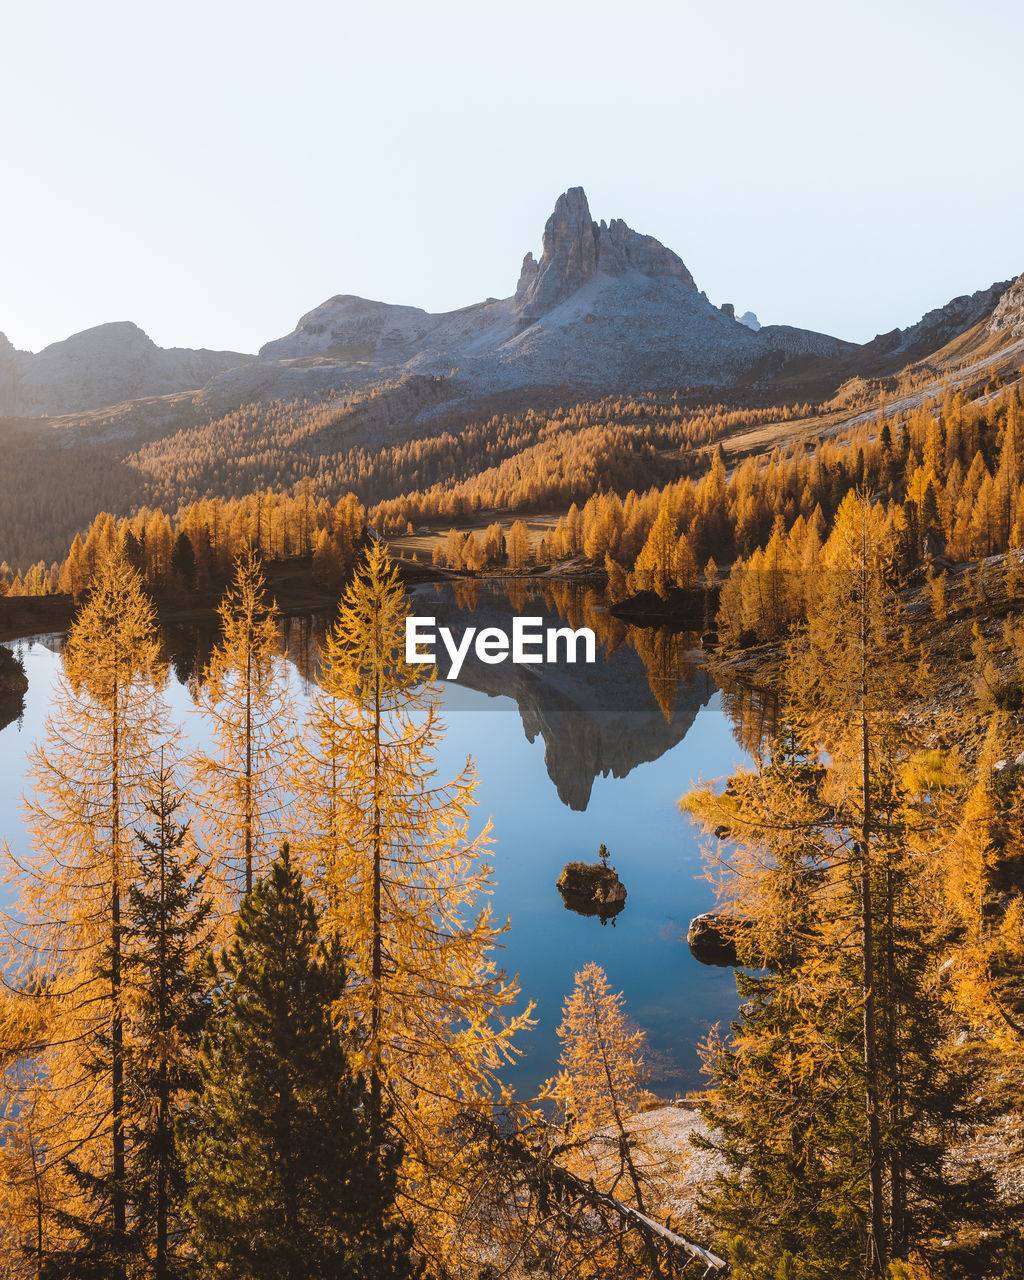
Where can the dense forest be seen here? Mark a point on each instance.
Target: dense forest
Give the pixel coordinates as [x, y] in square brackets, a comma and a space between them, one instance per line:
[285, 936]
[948, 475]
[53, 488]
[868, 862]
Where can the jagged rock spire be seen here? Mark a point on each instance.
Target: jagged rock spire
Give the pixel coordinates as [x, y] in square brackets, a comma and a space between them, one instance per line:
[576, 248]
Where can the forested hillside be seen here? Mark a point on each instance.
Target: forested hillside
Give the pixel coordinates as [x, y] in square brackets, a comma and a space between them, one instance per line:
[651, 491]
[412, 450]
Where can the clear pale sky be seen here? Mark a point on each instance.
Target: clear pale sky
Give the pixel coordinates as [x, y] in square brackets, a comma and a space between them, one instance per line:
[213, 170]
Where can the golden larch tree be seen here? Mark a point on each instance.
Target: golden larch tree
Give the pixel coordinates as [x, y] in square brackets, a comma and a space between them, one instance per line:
[404, 884]
[603, 1078]
[601, 1088]
[244, 698]
[655, 566]
[518, 545]
[92, 775]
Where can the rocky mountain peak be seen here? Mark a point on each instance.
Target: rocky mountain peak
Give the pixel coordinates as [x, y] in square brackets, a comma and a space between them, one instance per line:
[575, 248]
[621, 249]
[568, 260]
[939, 325]
[113, 338]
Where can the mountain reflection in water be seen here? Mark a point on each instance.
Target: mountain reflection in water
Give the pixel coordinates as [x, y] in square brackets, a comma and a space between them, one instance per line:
[622, 740]
[637, 701]
[632, 705]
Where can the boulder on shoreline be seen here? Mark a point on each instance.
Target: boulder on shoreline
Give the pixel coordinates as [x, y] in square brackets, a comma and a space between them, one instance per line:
[711, 938]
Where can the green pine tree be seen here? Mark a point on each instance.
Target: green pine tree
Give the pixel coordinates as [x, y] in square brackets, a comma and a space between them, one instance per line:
[167, 941]
[283, 1180]
[183, 560]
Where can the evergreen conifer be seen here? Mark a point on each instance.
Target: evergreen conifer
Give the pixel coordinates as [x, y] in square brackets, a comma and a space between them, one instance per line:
[283, 1182]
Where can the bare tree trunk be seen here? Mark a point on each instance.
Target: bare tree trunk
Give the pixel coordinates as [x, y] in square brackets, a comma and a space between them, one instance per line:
[563, 1185]
[897, 1171]
[163, 1087]
[625, 1149]
[39, 1206]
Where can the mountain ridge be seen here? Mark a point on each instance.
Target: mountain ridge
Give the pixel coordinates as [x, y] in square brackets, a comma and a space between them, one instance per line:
[604, 310]
[100, 366]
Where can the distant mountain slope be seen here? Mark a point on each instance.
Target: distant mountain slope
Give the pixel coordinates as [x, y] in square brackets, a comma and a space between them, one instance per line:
[606, 309]
[101, 366]
[936, 327]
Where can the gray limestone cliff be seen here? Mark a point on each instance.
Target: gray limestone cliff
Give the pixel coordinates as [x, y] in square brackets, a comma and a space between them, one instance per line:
[938, 326]
[1008, 313]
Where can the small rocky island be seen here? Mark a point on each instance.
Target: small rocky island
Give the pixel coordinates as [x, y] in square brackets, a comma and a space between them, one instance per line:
[592, 888]
[691, 607]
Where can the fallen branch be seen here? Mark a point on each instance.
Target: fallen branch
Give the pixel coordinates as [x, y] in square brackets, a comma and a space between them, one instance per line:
[713, 1261]
[553, 1181]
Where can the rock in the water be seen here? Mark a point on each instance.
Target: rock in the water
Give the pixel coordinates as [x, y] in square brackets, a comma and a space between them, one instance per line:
[711, 938]
[680, 606]
[591, 889]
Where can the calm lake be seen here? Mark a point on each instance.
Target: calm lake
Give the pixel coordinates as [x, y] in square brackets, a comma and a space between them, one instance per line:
[569, 758]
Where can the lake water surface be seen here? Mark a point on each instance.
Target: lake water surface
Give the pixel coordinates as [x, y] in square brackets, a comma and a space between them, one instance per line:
[569, 758]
